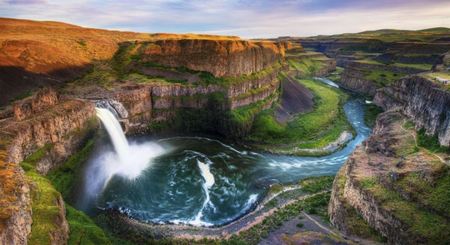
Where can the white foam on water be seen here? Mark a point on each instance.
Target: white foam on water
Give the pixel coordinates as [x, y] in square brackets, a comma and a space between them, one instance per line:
[209, 181]
[127, 160]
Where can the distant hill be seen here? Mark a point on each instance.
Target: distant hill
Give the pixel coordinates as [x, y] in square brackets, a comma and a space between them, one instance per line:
[437, 34]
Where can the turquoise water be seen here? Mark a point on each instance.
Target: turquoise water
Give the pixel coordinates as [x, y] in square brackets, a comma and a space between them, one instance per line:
[203, 181]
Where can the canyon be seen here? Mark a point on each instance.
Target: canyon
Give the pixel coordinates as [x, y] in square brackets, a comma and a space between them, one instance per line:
[254, 94]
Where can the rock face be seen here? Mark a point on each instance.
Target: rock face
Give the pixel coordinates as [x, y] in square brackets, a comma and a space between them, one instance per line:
[219, 57]
[158, 103]
[423, 101]
[379, 181]
[36, 104]
[44, 121]
[355, 77]
[15, 204]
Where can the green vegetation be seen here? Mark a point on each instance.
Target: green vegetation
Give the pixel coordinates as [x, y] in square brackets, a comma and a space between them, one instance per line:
[242, 118]
[315, 129]
[83, 230]
[391, 35]
[420, 222]
[354, 222]
[371, 113]
[317, 184]
[45, 206]
[435, 194]
[426, 67]
[47, 203]
[336, 75]
[430, 143]
[261, 230]
[64, 177]
[101, 74]
[307, 66]
[382, 77]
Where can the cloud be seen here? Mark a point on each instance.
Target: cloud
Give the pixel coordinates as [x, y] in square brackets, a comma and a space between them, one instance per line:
[26, 1]
[245, 18]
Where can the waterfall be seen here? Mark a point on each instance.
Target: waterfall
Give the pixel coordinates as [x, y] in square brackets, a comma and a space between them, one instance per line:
[115, 132]
[128, 160]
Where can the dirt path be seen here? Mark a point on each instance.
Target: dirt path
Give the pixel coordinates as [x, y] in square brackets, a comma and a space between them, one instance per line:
[413, 134]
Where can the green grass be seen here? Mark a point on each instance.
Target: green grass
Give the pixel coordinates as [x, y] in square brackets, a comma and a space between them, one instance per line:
[83, 230]
[45, 208]
[336, 75]
[242, 118]
[430, 142]
[315, 205]
[381, 77]
[64, 177]
[420, 222]
[317, 184]
[370, 114]
[416, 66]
[306, 66]
[207, 78]
[311, 130]
[434, 195]
[101, 74]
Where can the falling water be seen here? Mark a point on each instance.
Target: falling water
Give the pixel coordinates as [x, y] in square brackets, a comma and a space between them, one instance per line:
[115, 132]
[128, 160]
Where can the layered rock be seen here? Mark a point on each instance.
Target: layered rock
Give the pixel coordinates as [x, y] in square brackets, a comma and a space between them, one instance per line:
[380, 181]
[355, 76]
[421, 100]
[39, 122]
[15, 203]
[44, 123]
[156, 103]
[219, 57]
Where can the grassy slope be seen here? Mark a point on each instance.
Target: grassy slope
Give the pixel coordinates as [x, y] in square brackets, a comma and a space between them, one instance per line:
[46, 190]
[311, 130]
[421, 203]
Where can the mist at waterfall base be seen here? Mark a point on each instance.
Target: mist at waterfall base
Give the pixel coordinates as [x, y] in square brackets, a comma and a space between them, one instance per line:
[194, 180]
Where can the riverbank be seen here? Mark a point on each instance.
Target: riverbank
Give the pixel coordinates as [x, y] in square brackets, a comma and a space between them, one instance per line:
[282, 205]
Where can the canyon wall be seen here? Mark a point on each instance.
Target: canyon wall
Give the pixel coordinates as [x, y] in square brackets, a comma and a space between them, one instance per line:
[424, 101]
[388, 182]
[221, 58]
[149, 104]
[356, 76]
[44, 124]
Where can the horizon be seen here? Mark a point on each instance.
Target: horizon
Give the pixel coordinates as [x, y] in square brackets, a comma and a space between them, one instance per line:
[265, 19]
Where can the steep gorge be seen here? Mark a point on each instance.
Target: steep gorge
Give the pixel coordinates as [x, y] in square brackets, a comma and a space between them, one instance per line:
[39, 133]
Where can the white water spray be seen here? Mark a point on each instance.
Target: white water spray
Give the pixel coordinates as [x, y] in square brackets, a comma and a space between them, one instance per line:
[127, 160]
[209, 181]
[115, 131]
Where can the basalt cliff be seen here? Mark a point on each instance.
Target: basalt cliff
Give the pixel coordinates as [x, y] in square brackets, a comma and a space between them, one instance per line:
[156, 83]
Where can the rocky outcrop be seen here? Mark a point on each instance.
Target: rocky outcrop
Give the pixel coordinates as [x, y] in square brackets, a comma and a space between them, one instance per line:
[421, 100]
[229, 58]
[355, 76]
[374, 183]
[53, 126]
[158, 103]
[39, 122]
[15, 204]
[335, 47]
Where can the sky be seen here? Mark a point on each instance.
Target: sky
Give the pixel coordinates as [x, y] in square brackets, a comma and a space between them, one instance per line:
[245, 18]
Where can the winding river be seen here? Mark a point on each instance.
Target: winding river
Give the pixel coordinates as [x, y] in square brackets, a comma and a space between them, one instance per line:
[199, 181]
